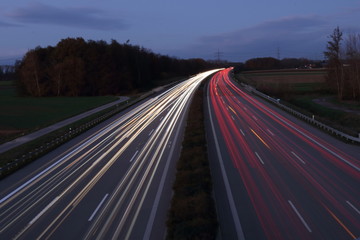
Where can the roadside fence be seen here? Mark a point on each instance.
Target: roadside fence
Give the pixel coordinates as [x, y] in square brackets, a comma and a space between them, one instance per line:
[308, 119]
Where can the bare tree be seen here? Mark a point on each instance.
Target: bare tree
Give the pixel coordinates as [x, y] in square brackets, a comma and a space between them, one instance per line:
[335, 68]
[353, 64]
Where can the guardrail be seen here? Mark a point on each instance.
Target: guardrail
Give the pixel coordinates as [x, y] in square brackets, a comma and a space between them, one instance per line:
[308, 119]
[39, 151]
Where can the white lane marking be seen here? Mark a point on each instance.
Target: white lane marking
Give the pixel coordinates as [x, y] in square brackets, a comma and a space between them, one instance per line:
[272, 134]
[299, 215]
[255, 118]
[238, 228]
[38, 175]
[151, 132]
[87, 142]
[298, 157]
[356, 210]
[44, 210]
[308, 137]
[98, 207]
[259, 158]
[133, 157]
[232, 117]
[151, 220]
[161, 119]
[242, 132]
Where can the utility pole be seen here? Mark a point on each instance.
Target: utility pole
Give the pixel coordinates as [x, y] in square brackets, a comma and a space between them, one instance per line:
[218, 55]
[278, 53]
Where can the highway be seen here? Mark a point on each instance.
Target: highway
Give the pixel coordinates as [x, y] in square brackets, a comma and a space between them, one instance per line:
[113, 182]
[274, 176]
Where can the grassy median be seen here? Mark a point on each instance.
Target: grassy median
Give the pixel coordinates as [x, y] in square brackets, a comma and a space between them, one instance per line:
[192, 213]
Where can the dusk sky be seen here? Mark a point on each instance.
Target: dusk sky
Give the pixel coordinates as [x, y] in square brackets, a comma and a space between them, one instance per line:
[238, 29]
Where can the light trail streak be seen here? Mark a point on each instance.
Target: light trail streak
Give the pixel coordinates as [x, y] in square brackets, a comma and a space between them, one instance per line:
[260, 138]
[323, 173]
[87, 163]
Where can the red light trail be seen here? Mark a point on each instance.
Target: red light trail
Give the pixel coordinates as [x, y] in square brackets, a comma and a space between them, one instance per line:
[299, 184]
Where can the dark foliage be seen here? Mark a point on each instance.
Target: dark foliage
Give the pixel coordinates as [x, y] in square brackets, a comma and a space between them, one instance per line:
[262, 63]
[7, 73]
[343, 65]
[75, 67]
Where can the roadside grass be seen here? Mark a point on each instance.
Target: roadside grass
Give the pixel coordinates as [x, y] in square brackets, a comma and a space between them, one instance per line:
[307, 87]
[344, 121]
[22, 115]
[299, 93]
[16, 158]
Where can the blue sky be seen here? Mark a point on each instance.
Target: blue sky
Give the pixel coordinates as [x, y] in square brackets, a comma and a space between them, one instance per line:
[185, 29]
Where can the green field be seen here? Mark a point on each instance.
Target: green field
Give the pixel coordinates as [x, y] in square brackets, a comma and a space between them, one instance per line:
[25, 114]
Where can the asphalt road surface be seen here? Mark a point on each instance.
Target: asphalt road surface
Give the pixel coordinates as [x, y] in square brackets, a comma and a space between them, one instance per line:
[276, 177]
[114, 183]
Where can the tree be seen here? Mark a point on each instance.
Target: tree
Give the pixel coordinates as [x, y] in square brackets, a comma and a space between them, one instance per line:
[265, 63]
[353, 64]
[77, 67]
[335, 72]
[30, 74]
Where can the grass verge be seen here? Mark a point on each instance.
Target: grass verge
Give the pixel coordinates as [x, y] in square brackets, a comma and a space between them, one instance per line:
[192, 212]
[23, 115]
[16, 158]
[299, 96]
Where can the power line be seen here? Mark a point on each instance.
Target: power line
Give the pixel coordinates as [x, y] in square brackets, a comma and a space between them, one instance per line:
[218, 55]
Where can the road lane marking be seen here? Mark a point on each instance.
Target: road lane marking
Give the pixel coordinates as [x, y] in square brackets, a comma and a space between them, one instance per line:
[299, 215]
[161, 119]
[254, 117]
[151, 131]
[307, 136]
[353, 207]
[232, 117]
[85, 142]
[238, 228]
[133, 157]
[298, 157]
[259, 158]
[160, 189]
[242, 132]
[272, 134]
[98, 207]
[44, 210]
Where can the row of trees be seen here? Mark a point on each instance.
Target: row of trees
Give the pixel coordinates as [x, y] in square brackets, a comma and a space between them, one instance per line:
[268, 63]
[343, 73]
[75, 67]
[7, 73]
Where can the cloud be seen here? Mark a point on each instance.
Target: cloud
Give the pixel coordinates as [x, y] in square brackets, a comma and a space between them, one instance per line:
[88, 18]
[294, 36]
[6, 24]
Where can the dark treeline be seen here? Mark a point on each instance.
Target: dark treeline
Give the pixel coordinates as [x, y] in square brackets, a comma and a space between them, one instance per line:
[7, 73]
[270, 63]
[75, 67]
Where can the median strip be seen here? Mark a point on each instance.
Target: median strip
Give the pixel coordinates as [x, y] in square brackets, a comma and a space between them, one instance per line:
[192, 213]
